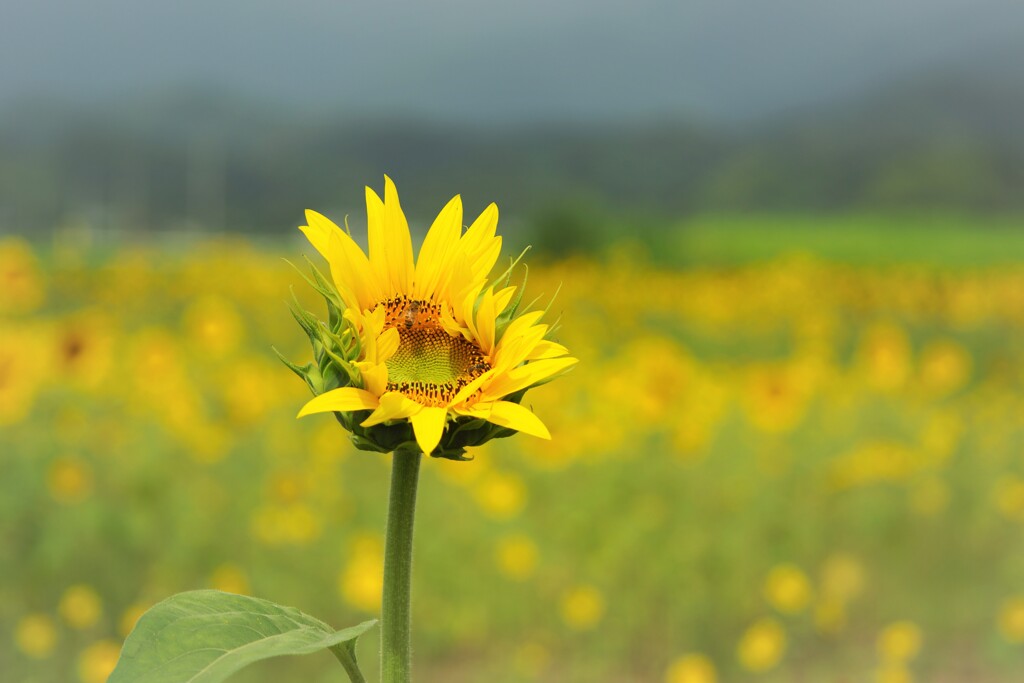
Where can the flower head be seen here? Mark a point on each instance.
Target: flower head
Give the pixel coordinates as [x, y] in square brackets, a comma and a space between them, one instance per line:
[423, 353]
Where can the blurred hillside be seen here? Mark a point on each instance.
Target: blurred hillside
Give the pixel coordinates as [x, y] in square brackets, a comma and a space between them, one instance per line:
[203, 159]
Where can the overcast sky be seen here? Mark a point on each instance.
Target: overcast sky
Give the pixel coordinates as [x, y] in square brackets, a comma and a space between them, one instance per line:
[480, 61]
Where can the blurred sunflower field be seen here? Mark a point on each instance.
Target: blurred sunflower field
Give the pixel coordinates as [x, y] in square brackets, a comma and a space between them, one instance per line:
[791, 467]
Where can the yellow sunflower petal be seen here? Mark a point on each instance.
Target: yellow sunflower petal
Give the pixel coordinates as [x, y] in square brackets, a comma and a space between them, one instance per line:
[387, 344]
[322, 242]
[450, 324]
[519, 348]
[468, 390]
[518, 345]
[484, 227]
[503, 298]
[485, 322]
[547, 349]
[468, 303]
[462, 287]
[397, 242]
[371, 326]
[393, 406]
[511, 415]
[342, 400]
[480, 237]
[485, 260]
[428, 425]
[432, 265]
[377, 244]
[349, 266]
[527, 375]
[517, 327]
[375, 376]
[318, 232]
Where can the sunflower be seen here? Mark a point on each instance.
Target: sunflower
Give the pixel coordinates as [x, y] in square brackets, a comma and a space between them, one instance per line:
[425, 353]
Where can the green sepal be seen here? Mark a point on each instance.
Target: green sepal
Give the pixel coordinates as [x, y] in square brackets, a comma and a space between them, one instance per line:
[507, 275]
[319, 283]
[299, 370]
[306, 320]
[506, 317]
[310, 373]
[324, 286]
[331, 378]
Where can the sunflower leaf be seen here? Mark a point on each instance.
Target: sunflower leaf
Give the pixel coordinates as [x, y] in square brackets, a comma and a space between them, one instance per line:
[205, 636]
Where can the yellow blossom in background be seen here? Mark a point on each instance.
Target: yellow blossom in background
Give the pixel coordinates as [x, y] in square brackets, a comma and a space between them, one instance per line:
[582, 607]
[80, 606]
[842, 577]
[1008, 496]
[214, 325]
[691, 668]
[690, 438]
[116, 418]
[244, 385]
[207, 442]
[878, 461]
[286, 487]
[21, 283]
[945, 367]
[362, 577]
[893, 673]
[69, 479]
[326, 445]
[829, 615]
[97, 661]
[942, 433]
[704, 405]
[230, 578]
[661, 372]
[501, 495]
[516, 556]
[22, 370]
[1011, 619]
[762, 645]
[900, 641]
[159, 368]
[286, 523]
[85, 347]
[776, 398]
[885, 356]
[787, 589]
[36, 635]
[130, 616]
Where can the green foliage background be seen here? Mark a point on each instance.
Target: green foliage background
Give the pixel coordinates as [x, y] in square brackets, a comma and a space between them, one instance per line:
[838, 401]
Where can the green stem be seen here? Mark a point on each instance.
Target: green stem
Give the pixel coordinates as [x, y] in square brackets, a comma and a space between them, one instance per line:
[348, 660]
[396, 612]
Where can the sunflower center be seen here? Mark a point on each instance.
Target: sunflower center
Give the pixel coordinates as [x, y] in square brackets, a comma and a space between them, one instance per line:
[430, 366]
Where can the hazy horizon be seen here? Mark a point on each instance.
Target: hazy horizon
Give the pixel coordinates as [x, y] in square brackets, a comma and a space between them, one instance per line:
[455, 61]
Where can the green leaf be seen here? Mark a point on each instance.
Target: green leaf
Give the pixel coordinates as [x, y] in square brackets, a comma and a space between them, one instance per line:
[205, 636]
